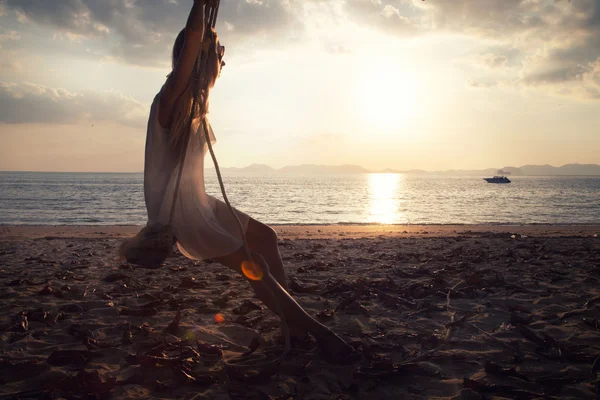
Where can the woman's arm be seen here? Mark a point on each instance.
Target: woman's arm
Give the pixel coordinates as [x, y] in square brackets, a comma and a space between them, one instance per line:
[179, 78]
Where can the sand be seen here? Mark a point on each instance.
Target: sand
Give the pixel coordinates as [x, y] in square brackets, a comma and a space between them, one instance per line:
[463, 312]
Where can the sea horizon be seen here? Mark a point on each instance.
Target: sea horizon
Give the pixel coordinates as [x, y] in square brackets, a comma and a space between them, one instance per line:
[256, 169]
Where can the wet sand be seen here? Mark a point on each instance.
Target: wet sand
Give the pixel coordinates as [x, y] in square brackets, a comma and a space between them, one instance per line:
[438, 311]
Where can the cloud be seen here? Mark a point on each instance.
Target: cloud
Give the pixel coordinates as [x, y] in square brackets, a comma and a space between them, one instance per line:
[582, 81]
[8, 35]
[385, 16]
[494, 61]
[31, 103]
[142, 31]
[552, 43]
[546, 43]
[7, 65]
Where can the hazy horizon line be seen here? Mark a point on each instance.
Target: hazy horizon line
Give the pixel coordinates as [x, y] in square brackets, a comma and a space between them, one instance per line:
[366, 170]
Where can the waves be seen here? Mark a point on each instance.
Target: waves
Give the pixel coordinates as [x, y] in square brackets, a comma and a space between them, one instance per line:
[118, 199]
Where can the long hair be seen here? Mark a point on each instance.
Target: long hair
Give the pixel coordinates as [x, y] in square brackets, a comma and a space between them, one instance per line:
[183, 105]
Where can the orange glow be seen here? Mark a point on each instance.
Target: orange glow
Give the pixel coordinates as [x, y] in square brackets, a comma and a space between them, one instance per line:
[252, 271]
[219, 318]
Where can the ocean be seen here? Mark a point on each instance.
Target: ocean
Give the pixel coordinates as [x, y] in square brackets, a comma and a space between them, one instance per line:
[33, 198]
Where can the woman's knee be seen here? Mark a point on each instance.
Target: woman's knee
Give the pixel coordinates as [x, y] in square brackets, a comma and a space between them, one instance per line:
[262, 235]
[259, 260]
[239, 258]
[270, 235]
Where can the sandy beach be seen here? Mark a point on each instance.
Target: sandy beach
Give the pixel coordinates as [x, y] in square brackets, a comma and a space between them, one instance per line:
[440, 311]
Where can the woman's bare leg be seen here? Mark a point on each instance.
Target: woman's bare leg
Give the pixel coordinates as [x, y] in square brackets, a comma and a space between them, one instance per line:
[295, 315]
[262, 239]
[271, 293]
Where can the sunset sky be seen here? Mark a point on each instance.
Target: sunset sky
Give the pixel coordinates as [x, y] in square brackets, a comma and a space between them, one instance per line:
[435, 84]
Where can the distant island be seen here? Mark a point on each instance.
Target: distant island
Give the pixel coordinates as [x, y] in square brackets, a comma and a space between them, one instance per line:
[313, 169]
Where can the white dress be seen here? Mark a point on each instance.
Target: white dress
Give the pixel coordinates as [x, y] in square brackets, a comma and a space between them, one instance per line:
[203, 226]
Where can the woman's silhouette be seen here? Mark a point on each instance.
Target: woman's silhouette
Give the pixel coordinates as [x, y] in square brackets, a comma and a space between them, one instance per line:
[203, 225]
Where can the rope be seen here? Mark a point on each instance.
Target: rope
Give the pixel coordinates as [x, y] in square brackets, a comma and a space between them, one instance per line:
[241, 362]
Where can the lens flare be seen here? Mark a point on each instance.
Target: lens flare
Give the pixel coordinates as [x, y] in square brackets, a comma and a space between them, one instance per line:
[190, 335]
[219, 318]
[252, 271]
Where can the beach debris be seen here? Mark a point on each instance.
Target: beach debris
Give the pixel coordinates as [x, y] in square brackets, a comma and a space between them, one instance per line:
[325, 314]
[473, 279]
[497, 370]
[72, 357]
[173, 327]
[591, 301]
[383, 368]
[117, 276]
[246, 307]
[209, 349]
[346, 302]
[513, 392]
[17, 371]
[222, 277]
[79, 332]
[296, 287]
[93, 344]
[553, 384]
[593, 323]
[153, 361]
[303, 256]
[127, 335]
[138, 312]
[532, 336]
[189, 282]
[249, 322]
[88, 384]
[22, 323]
[47, 290]
[595, 368]
[72, 308]
[252, 347]
[518, 308]
[39, 315]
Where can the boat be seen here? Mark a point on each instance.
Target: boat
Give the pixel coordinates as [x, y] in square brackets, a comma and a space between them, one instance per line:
[497, 179]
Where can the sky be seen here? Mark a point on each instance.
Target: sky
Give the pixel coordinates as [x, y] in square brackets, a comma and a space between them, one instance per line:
[401, 84]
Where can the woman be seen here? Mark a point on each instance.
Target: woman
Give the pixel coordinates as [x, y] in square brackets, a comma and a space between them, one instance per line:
[203, 226]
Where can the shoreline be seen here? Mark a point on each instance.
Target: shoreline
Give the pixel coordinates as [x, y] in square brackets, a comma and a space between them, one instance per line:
[298, 231]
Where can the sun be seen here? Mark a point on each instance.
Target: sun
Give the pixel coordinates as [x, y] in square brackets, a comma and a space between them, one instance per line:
[388, 98]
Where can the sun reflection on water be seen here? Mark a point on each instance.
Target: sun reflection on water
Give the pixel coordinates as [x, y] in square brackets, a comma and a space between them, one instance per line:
[383, 198]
